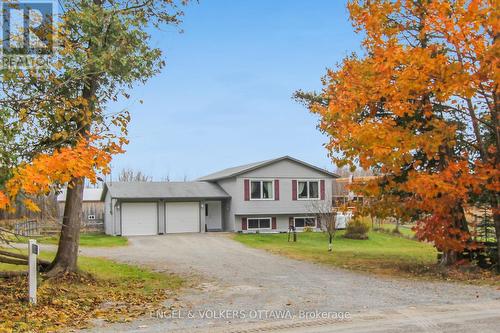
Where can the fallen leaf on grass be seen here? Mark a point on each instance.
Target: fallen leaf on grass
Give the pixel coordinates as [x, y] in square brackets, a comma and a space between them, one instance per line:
[61, 305]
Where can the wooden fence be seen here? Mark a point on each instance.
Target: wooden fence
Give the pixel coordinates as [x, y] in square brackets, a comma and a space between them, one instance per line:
[27, 228]
[36, 228]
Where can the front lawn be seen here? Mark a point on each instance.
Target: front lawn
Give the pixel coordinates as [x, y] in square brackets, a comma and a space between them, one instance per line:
[90, 240]
[381, 254]
[104, 289]
[403, 229]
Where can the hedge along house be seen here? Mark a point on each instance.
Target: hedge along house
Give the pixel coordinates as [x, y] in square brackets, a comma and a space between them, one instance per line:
[266, 196]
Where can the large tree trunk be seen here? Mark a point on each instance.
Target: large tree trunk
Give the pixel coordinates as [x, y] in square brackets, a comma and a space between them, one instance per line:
[497, 231]
[496, 217]
[450, 257]
[67, 251]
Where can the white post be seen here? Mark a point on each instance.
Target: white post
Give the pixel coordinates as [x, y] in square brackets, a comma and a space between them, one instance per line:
[32, 266]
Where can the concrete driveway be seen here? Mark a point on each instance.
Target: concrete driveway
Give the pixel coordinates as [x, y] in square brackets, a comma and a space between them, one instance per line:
[253, 290]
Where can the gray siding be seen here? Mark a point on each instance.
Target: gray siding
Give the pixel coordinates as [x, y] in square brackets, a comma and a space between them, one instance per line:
[228, 185]
[111, 216]
[117, 217]
[284, 205]
[161, 217]
[285, 171]
[108, 218]
[282, 221]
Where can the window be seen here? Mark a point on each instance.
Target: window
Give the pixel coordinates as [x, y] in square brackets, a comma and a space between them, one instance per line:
[308, 189]
[302, 222]
[262, 190]
[259, 223]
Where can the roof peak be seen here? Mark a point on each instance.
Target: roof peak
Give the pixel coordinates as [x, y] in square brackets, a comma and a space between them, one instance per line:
[153, 182]
[237, 170]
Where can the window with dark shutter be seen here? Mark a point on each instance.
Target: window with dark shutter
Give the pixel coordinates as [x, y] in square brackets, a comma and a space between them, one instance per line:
[246, 189]
[322, 189]
[276, 189]
[303, 222]
[261, 190]
[308, 190]
[259, 223]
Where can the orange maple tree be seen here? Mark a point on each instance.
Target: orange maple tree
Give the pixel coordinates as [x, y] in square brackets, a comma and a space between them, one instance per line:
[87, 159]
[421, 108]
[102, 49]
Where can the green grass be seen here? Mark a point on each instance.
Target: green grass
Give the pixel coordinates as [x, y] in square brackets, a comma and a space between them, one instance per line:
[112, 271]
[403, 229]
[381, 253]
[124, 274]
[90, 240]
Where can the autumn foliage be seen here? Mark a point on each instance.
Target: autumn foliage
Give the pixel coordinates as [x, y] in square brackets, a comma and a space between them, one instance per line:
[420, 107]
[87, 159]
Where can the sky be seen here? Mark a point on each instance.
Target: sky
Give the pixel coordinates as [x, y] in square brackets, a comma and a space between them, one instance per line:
[225, 95]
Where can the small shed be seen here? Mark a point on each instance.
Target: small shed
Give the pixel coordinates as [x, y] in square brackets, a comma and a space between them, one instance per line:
[93, 207]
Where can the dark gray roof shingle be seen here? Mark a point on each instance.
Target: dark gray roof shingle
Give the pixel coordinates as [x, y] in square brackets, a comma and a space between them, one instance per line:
[165, 190]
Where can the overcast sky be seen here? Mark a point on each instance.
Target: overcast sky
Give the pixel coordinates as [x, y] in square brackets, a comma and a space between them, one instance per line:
[224, 97]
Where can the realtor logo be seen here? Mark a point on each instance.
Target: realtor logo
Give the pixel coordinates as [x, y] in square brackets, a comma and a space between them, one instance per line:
[27, 27]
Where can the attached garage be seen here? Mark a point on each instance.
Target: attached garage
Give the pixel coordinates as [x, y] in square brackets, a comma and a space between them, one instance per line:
[182, 217]
[156, 208]
[139, 218]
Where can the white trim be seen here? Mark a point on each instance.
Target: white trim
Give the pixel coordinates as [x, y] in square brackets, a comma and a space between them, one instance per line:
[308, 181]
[306, 217]
[260, 218]
[261, 189]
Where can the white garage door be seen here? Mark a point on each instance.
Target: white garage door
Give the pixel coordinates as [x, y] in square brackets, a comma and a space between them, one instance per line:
[182, 217]
[139, 218]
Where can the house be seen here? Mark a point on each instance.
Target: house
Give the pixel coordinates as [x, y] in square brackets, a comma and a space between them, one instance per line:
[265, 196]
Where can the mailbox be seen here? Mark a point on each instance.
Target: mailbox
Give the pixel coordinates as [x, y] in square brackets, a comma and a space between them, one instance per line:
[35, 249]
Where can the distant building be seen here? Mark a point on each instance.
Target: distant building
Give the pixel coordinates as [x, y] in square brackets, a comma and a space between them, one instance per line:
[341, 196]
[93, 207]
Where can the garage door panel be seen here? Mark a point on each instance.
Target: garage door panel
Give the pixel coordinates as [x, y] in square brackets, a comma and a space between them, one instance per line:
[182, 217]
[139, 218]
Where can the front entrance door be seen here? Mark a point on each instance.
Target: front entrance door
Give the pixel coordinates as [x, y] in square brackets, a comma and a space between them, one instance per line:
[213, 215]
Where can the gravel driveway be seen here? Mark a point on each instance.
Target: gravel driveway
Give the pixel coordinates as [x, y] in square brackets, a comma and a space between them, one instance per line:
[229, 276]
